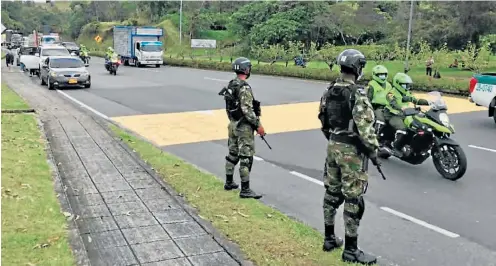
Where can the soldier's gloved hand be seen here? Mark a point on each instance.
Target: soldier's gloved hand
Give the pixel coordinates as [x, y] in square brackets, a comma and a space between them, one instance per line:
[261, 131]
[374, 159]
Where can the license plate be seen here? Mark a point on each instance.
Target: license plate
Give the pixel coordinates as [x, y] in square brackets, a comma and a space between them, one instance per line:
[72, 81]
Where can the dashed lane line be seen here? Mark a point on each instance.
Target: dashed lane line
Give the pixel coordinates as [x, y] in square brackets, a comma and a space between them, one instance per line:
[482, 148]
[420, 222]
[222, 80]
[313, 180]
[389, 210]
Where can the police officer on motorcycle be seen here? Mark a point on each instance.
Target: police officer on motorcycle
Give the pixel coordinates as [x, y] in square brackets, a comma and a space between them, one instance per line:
[377, 90]
[83, 53]
[398, 100]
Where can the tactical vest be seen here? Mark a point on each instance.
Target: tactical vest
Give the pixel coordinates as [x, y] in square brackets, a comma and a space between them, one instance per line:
[379, 93]
[339, 103]
[399, 100]
[233, 106]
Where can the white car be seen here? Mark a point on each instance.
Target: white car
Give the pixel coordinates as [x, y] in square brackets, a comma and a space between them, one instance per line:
[483, 92]
[47, 50]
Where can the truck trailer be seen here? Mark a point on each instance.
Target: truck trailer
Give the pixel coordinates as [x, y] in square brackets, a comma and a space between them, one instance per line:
[139, 45]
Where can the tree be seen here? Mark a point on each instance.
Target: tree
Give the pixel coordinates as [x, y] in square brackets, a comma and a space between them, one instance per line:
[274, 31]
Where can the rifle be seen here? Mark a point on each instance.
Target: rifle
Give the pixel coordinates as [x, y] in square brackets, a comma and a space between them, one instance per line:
[365, 166]
[263, 138]
[363, 149]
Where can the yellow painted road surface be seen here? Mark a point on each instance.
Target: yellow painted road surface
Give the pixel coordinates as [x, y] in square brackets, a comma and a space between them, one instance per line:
[189, 127]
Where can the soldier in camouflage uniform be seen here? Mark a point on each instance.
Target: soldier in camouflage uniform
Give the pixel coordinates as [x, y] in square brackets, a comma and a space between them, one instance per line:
[243, 112]
[347, 119]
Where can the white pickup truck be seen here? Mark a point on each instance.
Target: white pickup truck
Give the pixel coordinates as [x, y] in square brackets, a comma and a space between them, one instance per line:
[483, 92]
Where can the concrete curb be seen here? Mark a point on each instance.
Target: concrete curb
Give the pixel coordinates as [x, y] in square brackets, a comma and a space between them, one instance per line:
[18, 111]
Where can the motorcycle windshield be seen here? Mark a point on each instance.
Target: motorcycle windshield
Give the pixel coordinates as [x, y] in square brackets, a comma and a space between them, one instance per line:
[436, 100]
[114, 59]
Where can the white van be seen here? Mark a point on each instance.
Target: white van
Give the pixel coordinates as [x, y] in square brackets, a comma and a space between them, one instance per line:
[42, 53]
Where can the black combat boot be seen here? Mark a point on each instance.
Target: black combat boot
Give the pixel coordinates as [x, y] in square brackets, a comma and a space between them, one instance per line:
[331, 241]
[398, 144]
[246, 192]
[230, 185]
[353, 254]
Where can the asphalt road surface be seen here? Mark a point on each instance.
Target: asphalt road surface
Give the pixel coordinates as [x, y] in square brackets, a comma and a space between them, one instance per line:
[415, 217]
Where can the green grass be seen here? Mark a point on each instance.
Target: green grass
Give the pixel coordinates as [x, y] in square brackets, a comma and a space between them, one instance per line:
[12, 101]
[265, 235]
[33, 228]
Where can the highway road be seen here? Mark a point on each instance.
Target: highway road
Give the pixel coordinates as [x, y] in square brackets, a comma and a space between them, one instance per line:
[415, 217]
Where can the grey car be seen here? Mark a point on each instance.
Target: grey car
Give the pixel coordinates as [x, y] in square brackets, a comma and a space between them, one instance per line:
[63, 71]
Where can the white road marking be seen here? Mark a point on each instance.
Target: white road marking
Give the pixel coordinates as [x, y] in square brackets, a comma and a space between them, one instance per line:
[84, 105]
[222, 80]
[482, 148]
[256, 158]
[205, 112]
[313, 180]
[420, 222]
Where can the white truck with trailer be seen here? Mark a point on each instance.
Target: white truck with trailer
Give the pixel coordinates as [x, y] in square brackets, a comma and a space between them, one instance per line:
[139, 46]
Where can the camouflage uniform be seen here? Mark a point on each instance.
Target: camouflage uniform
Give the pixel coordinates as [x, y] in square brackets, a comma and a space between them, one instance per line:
[347, 119]
[241, 141]
[243, 112]
[345, 180]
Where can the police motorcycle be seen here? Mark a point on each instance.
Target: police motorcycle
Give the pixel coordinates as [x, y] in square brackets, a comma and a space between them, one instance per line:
[428, 133]
[85, 58]
[111, 64]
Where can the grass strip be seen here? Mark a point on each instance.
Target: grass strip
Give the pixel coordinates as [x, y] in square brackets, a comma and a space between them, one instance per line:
[12, 101]
[265, 235]
[33, 227]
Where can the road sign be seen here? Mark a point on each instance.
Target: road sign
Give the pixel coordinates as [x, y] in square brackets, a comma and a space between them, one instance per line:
[98, 39]
[202, 43]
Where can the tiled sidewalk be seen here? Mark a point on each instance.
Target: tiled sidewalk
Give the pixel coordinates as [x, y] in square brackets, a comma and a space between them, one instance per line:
[124, 214]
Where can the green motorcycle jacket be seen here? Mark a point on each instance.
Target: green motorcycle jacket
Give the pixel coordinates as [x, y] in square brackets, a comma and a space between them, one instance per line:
[377, 93]
[397, 100]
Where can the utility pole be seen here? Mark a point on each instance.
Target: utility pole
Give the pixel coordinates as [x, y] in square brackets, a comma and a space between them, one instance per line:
[181, 22]
[407, 67]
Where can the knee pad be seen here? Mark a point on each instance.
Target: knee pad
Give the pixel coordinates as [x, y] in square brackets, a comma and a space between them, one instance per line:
[232, 158]
[247, 162]
[360, 202]
[335, 200]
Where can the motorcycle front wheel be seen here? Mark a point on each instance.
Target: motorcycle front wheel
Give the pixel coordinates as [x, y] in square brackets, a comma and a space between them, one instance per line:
[450, 161]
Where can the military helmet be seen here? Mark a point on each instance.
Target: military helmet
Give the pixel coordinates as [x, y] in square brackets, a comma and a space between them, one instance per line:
[242, 65]
[352, 61]
[379, 74]
[402, 82]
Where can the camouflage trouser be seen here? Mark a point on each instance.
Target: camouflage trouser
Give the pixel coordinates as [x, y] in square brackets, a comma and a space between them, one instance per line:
[241, 143]
[344, 182]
